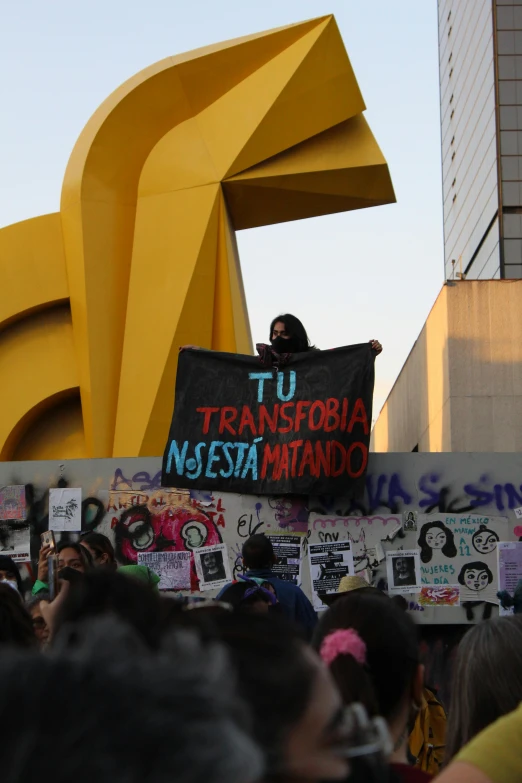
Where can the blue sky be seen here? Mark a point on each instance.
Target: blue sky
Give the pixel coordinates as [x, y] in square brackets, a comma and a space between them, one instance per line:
[350, 277]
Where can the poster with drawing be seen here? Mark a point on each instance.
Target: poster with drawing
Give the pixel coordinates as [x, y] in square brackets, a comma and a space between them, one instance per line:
[212, 567]
[12, 502]
[365, 534]
[403, 571]
[287, 549]
[65, 509]
[462, 549]
[15, 540]
[439, 595]
[328, 564]
[509, 554]
[173, 568]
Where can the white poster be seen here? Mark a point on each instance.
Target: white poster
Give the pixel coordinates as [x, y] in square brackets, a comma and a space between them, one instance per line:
[328, 564]
[15, 540]
[365, 534]
[403, 570]
[173, 568]
[287, 549]
[212, 567]
[65, 510]
[462, 549]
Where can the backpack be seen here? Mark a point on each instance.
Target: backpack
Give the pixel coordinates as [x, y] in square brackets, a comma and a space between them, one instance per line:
[427, 741]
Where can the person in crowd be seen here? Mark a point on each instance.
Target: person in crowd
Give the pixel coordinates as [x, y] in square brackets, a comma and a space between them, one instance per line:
[171, 715]
[487, 679]
[493, 756]
[69, 554]
[16, 627]
[142, 573]
[288, 335]
[297, 711]
[249, 596]
[258, 560]
[9, 573]
[40, 628]
[372, 650]
[100, 549]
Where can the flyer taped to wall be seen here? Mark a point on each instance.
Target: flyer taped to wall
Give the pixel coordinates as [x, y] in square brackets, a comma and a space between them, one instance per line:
[173, 568]
[212, 567]
[509, 569]
[462, 549]
[403, 570]
[287, 550]
[328, 564]
[65, 509]
[15, 540]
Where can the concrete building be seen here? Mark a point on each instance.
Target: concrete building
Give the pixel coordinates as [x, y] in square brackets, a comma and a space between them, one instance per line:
[461, 386]
[480, 50]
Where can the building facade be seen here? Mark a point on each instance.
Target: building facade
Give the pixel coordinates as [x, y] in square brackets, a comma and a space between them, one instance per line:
[480, 51]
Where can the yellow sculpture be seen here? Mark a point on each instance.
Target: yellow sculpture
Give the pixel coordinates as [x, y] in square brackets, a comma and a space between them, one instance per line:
[142, 256]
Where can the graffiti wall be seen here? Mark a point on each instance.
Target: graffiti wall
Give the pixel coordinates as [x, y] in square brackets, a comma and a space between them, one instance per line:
[123, 499]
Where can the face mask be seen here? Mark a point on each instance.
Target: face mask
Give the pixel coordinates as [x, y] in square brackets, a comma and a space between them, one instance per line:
[11, 583]
[288, 345]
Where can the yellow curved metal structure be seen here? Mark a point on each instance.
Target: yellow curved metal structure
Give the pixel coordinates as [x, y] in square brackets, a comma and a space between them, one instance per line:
[142, 256]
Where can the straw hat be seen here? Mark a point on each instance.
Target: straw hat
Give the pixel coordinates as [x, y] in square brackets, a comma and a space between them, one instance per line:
[346, 585]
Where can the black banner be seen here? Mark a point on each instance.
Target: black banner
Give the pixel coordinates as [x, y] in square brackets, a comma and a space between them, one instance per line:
[241, 427]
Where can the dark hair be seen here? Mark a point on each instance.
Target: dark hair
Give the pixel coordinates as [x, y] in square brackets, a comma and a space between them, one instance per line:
[274, 675]
[180, 704]
[235, 596]
[476, 565]
[449, 549]
[392, 651]
[258, 552]
[9, 565]
[483, 529]
[81, 551]
[102, 592]
[101, 545]
[16, 625]
[295, 328]
[487, 679]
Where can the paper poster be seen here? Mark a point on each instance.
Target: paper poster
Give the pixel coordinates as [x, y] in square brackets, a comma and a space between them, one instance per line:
[403, 570]
[173, 568]
[518, 512]
[287, 549]
[12, 502]
[462, 549]
[328, 564]
[65, 509]
[410, 521]
[439, 595]
[509, 568]
[365, 535]
[212, 567]
[15, 540]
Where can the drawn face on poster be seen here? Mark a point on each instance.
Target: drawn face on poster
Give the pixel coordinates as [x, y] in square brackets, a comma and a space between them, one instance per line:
[484, 541]
[435, 535]
[475, 576]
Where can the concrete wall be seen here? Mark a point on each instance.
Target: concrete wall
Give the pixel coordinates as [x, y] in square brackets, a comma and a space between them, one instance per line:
[117, 492]
[461, 386]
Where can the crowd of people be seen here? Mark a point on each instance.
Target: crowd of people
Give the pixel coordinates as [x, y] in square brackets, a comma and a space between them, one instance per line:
[114, 680]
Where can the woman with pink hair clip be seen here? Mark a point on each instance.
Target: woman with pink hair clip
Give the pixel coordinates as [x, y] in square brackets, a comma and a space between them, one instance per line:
[371, 648]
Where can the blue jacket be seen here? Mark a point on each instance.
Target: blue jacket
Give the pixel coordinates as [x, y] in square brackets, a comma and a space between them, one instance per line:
[293, 601]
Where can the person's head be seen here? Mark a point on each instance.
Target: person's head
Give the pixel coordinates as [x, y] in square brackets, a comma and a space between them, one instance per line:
[371, 646]
[435, 535]
[73, 555]
[258, 552]
[41, 631]
[288, 335]
[9, 573]
[487, 679]
[297, 711]
[100, 549]
[104, 592]
[484, 541]
[115, 711]
[16, 627]
[249, 597]
[475, 576]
